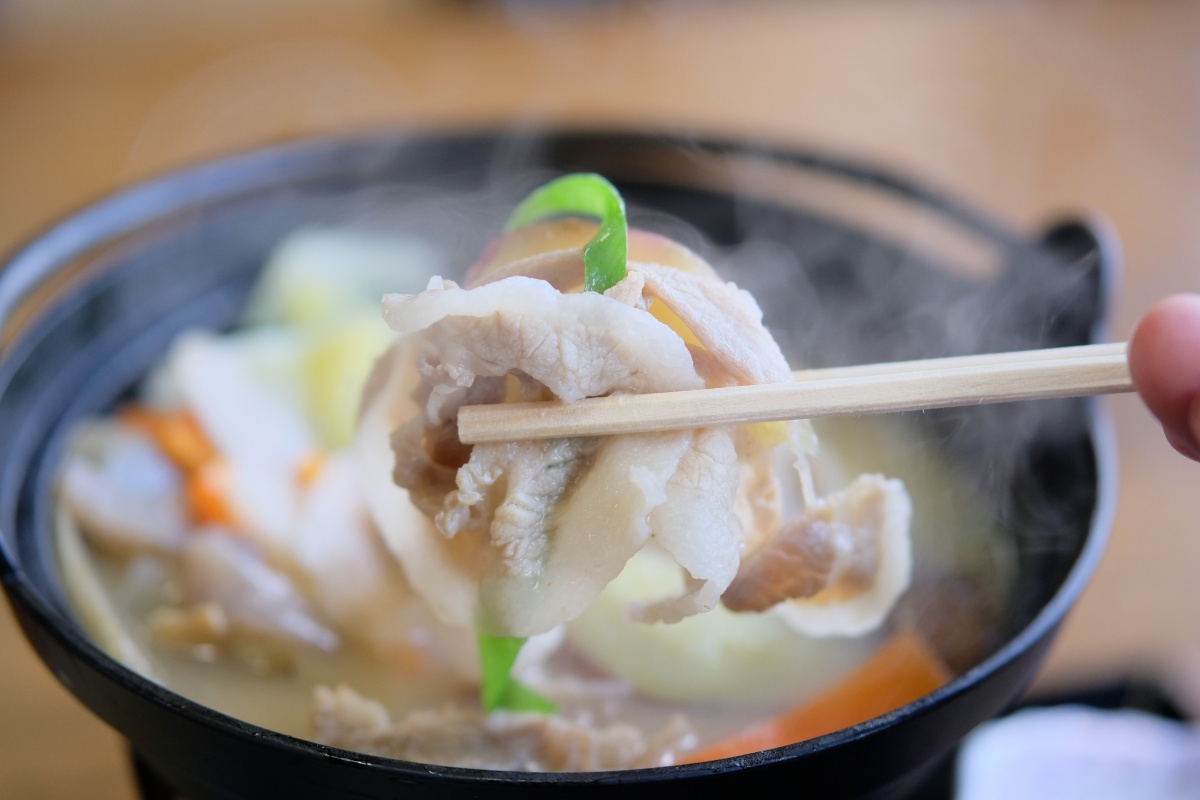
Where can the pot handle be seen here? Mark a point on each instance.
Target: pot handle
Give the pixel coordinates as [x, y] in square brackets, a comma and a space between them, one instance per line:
[1089, 244]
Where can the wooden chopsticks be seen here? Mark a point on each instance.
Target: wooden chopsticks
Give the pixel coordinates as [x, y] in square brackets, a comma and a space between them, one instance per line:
[865, 389]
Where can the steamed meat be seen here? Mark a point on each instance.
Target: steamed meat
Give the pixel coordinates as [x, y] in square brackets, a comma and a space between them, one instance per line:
[237, 593]
[527, 533]
[524, 535]
[504, 740]
[842, 564]
[723, 318]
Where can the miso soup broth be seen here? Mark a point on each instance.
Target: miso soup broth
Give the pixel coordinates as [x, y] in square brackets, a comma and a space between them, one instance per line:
[248, 609]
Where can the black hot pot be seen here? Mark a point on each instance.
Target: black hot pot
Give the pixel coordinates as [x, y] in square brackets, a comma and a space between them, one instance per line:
[88, 306]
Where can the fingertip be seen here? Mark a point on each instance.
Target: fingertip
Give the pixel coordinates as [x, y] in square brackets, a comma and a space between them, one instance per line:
[1164, 362]
[1183, 446]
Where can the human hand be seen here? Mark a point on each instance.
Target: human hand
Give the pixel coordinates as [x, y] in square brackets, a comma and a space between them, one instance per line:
[1164, 360]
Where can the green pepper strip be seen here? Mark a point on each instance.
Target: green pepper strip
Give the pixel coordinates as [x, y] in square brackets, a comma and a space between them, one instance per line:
[604, 258]
[585, 194]
[497, 654]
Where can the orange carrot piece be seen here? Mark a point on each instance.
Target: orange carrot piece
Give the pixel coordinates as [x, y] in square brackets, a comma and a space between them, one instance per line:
[207, 491]
[141, 419]
[177, 433]
[901, 671]
[309, 469]
[181, 439]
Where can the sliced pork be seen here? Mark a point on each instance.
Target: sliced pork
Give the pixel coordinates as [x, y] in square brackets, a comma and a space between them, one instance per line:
[525, 534]
[838, 568]
[530, 532]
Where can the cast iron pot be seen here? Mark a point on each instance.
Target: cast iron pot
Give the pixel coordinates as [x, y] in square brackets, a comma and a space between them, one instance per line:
[87, 307]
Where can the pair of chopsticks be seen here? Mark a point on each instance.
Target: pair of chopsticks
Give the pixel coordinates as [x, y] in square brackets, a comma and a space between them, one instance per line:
[840, 391]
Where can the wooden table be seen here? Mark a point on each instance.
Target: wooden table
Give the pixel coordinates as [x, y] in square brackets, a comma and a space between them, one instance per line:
[1025, 109]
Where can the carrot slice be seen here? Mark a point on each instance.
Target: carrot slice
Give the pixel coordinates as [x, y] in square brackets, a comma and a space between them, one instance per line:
[309, 469]
[207, 491]
[901, 671]
[177, 433]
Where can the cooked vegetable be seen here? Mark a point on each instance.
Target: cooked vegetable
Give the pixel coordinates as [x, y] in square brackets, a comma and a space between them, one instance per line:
[717, 657]
[901, 671]
[499, 689]
[585, 194]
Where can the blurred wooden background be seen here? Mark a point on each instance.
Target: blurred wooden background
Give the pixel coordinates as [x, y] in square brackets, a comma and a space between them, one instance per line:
[1027, 109]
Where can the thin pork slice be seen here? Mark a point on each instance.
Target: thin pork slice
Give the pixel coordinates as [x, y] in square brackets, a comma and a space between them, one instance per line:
[530, 532]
